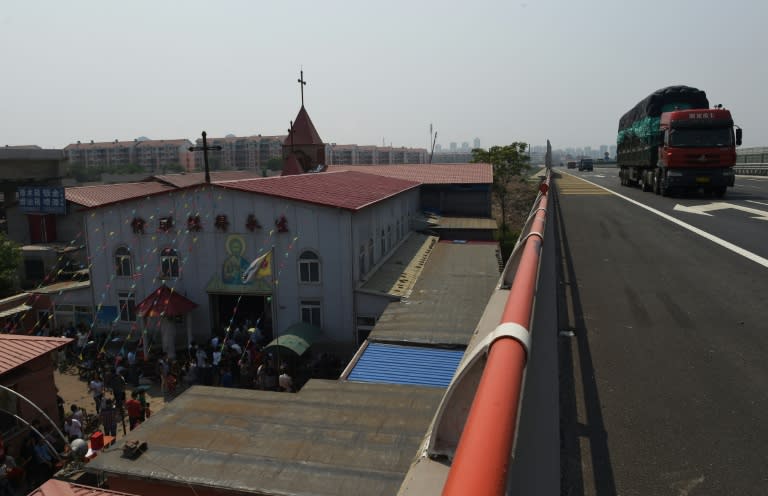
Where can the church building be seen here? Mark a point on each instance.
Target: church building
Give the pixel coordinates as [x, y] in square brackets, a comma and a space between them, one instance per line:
[170, 265]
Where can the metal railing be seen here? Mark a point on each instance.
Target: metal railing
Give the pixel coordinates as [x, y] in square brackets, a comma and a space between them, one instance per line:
[482, 457]
[751, 169]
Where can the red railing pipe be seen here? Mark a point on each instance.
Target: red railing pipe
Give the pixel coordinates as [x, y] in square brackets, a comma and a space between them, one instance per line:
[481, 462]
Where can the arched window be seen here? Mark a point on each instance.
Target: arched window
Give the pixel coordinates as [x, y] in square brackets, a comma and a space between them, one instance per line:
[169, 263]
[123, 266]
[309, 267]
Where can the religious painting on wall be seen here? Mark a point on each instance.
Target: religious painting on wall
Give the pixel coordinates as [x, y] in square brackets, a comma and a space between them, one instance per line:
[229, 279]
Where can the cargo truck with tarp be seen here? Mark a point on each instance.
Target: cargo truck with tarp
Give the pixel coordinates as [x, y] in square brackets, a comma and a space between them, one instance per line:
[672, 141]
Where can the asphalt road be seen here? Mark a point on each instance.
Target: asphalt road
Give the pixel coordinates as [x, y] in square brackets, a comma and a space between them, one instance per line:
[664, 384]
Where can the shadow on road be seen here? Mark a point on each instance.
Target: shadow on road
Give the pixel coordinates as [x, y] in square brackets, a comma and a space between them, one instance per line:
[584, 445]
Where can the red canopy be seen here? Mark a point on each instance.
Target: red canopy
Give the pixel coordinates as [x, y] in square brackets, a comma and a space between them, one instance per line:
[164, 302]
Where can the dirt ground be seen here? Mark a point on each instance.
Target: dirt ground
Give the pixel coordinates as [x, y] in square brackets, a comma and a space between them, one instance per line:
[74, 390]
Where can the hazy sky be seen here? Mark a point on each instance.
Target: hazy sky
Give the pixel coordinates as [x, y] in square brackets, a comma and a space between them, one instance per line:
[502, 71]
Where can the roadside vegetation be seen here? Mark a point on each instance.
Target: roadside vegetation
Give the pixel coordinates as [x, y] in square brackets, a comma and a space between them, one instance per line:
[513, 192]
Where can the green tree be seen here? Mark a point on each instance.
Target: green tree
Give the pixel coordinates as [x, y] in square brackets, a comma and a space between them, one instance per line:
[10, 259]
[275, 164]
[509, 162]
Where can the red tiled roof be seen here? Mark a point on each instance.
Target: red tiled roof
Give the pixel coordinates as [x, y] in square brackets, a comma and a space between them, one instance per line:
[192, 178]
[164, 301]
[104, 194]
[427, 173]
[343, 189]
[304, 132]
[55, 487]
[16, 349]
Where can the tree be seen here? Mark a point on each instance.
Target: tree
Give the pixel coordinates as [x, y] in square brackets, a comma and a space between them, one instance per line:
[10, 259]
[508, 162]
[275, 164]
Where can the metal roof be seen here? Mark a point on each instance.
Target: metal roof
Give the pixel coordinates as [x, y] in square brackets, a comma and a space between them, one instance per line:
[427, 173]
[185, 179]
[347, 190]
[447, 300]
[104, 194]
[331, 438]
[397, 275]
[55, 487]
[398, 364]
[16, 350]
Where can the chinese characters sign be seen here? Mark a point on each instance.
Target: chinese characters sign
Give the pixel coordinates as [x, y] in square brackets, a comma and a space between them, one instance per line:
[42, 199]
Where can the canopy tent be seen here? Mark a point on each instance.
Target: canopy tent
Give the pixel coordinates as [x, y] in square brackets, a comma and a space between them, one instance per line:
[297, 338]
[164, 302]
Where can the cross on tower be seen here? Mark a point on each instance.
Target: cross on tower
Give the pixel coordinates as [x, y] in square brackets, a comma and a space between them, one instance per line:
[205, 149]
[302, 83]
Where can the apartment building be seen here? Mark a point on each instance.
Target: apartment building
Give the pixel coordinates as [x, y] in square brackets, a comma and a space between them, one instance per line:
[373, 155]
[240, 153]
[151, 155]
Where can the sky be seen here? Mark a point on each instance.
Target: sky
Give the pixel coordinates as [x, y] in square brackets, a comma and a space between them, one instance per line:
[376, 72]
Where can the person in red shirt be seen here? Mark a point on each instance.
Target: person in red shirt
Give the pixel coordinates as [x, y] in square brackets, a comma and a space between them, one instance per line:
[133, 407]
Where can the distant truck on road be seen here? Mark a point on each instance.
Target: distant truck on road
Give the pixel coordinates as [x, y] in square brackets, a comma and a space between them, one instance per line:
[672, 141]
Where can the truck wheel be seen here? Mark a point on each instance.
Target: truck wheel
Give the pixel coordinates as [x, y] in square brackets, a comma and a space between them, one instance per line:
[720, 191]
[644, 186]
[657, 182]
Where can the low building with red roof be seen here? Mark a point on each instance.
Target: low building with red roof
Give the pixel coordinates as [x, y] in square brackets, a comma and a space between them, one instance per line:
[26, 367]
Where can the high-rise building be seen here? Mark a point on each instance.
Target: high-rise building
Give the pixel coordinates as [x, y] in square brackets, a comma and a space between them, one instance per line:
[453, 146]
[476, 143]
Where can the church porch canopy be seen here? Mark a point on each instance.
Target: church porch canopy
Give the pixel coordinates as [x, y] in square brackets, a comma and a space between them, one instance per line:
[165, 302]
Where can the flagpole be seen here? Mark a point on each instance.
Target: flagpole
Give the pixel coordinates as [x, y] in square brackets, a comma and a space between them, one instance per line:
[274, 308]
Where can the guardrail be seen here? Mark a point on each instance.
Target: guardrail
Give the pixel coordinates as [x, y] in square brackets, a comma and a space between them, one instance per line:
[482, 457]
[751, 169]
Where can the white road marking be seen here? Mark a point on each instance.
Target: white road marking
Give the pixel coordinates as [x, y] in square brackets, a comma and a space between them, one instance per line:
[759, 203]
[711, 207]
[719, 241]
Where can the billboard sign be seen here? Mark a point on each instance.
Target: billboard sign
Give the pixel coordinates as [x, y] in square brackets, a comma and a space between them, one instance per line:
[42, 199]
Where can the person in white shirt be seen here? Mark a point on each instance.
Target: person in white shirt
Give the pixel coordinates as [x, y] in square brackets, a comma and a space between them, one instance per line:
[73, 428]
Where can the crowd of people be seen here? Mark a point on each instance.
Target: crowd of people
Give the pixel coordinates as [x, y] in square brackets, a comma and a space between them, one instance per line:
[238, 360]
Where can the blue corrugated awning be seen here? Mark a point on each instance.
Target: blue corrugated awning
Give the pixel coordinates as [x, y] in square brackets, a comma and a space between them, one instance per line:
[397, 364]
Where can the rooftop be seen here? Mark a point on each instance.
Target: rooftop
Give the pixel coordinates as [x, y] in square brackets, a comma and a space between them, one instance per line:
[16, 350]
[331, 438]
[347, 190]
[447, 300]
[428, 173]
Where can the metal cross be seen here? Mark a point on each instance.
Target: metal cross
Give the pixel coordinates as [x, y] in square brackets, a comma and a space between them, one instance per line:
[302, 83]
[205, 149]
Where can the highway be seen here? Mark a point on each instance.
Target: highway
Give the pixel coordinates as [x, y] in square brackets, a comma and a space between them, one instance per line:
[662, 315]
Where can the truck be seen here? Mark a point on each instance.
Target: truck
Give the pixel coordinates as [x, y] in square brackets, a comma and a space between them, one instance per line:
[673, 142]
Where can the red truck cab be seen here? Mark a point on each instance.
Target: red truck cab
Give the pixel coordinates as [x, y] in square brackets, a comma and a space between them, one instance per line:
[698, 148]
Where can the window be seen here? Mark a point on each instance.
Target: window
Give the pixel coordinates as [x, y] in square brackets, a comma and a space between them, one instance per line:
[310, 313]
[123, 261]
[370, 251]
[383, 243]
[169, 263]
[309, 267]
[127, 302]
[389, 237]
[362, 261]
